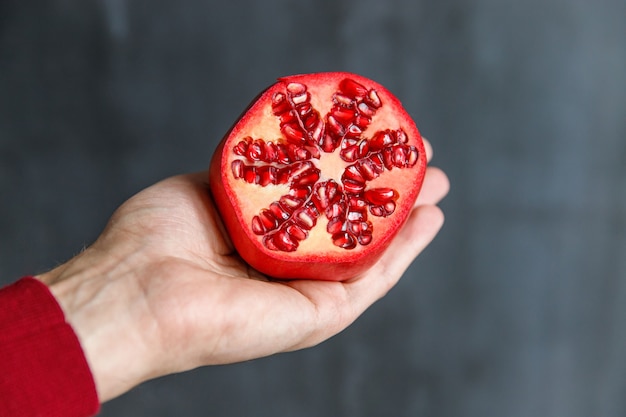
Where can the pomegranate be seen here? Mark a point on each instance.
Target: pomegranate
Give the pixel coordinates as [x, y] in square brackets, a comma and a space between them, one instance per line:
[317, 176]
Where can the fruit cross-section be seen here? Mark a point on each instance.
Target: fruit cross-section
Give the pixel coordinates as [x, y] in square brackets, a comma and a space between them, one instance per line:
[300, 160]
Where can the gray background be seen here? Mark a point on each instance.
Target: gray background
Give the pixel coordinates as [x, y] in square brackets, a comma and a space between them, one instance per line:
[519, 306]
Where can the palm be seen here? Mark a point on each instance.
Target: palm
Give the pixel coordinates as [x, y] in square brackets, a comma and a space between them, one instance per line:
[200, 296]
[195, 272]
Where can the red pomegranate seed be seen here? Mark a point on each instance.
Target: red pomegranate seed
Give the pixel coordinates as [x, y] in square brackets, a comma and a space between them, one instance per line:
[296, 232]
[352, 88]
[344, 240]
[335, 225]
[283, 241]
[380, 196]
[373, 99]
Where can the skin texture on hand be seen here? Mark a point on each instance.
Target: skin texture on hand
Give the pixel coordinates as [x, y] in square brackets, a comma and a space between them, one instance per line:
[162, 289]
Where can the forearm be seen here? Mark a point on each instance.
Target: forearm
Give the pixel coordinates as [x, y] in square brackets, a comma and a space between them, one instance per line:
[94, 293]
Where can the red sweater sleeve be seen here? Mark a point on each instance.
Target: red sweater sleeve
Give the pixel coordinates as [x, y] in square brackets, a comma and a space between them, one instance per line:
[43, 370]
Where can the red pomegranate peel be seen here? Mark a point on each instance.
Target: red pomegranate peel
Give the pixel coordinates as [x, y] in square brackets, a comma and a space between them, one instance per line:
[317, 176]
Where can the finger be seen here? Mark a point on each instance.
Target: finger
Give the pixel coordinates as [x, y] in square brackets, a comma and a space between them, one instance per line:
[199, 177]
[428, 148]
[434, 188]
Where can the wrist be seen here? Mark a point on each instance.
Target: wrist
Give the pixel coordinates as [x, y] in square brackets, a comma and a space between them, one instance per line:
[100, 295]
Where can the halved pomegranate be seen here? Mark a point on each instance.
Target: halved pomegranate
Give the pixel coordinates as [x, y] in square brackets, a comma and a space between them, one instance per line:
[317, 176]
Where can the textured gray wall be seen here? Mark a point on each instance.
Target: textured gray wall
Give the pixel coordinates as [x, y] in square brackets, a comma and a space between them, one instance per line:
[517, 309]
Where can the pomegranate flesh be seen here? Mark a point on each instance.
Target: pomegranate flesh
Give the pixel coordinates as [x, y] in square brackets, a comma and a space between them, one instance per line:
[317, 176]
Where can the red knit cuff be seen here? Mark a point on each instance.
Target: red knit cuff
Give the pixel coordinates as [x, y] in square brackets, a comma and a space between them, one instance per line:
[43, 370]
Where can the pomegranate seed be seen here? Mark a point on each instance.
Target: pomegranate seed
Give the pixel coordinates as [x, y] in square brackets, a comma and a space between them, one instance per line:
[237, 167]
[399, 156]
[335, 210]
[353, 187]
[313, 151]
[325, 194]
[343, 114]
[352, 88]
[377, 211]
[296, 232]
[366, 110]
[364, 239]
[298, 153]
[270, 151]
[296, 88]
[354, 131]
[266, 175]
[281, 154]
[367, 169]
[241, 148]
[335, 127]
[307, 177]
[278, 99]
[268, 220]
[278, 211]
[301, 98]
[300, 192]
[334, 190]
[268, 242]
[348, 142]
[344, 240]
[349, 154]
[380, 140]
[355, 216]
[377, 164]
[292, 133]
[365, 235]
[401, 136]
[310, 122]
[256, 150]
[279, 104]
[364, 148]
[362, 122]
[328, 144]
[352, 173]
[342, 100]
[305, 110]
[250, 175]
[257, 226]
[356, 203]
[291, 202]
[373, 99]
[354, 227]
[306, 217]
[288, 117]
[283, 175]
[383, 210]
[317, 131]
[387, 155]
[380, 196]
[283, 241]
[412, 157]
[334, 226]
[320, 197]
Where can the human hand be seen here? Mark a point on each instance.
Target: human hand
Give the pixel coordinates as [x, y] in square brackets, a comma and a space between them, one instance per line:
[162, 289]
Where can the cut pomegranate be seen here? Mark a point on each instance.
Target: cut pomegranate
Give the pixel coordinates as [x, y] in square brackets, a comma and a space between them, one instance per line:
[317, 176]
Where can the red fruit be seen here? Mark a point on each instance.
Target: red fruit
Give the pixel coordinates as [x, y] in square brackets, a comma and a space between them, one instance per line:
[317, 176]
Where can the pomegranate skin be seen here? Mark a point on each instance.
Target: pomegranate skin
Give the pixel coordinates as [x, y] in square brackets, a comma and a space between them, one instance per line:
[240, 195]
